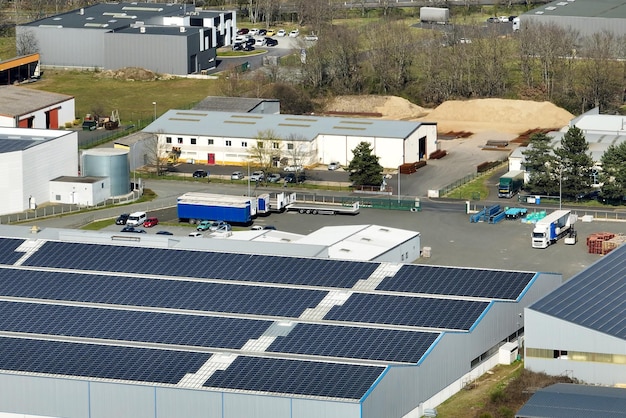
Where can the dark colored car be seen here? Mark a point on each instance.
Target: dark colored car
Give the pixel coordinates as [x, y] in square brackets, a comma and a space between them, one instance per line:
[248, 47]
[271, 42]
[150, 222]
[293, 178]
[262, 32]
[121, 220]
[133, 229]
[270, 227]
[164, 233]
[200, 173]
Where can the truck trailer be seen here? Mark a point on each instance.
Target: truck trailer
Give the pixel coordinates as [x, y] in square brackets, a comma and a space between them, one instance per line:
[324, 208]
[195, 207]
[439, 15]
[553, 227]
[511, 183]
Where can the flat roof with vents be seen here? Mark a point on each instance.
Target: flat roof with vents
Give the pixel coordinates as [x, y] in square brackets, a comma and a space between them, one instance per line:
[609, 9]
[238, 125]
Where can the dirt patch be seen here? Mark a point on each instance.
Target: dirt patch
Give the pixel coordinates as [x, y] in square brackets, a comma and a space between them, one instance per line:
[387, 107]
[133, 74]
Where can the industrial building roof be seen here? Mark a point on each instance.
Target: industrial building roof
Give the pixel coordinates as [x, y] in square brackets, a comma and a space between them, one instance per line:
[565, 400]
[598, 143]
[19, 139]
[249, 125]
[16, 101]
[231, 104]
[228, 321]
[609, 9]
[594, 298]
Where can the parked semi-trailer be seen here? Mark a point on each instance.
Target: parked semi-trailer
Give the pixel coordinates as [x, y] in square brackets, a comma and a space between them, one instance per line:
[553, 227]
[196, 207]
[511, 183]
[324, 208]
[439, 15]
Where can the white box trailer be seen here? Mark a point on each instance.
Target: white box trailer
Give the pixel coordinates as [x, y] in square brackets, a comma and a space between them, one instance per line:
[439, 15]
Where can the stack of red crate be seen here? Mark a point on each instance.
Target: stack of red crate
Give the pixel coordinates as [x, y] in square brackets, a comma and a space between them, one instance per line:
[595, 241]
[613, 243]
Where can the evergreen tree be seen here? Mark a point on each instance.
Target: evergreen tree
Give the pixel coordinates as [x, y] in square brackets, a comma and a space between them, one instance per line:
[540, 164]
[576, 163]
[364, 167]
[613, 174]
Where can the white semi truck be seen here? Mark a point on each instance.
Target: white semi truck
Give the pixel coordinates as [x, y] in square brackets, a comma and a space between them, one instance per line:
[553, 227]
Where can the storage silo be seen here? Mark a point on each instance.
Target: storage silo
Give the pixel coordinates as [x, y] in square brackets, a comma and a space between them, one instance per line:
[108, 162]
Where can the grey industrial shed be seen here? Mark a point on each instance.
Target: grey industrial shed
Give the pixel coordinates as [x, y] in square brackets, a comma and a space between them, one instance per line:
[124, 328]
[580, 328]
[167, 38]
[585, 16]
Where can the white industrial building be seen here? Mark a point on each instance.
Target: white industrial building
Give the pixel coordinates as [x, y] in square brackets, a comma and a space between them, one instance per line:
[579, 330]
[21, 107]
[229, 138]
[29, 160]
[88, 330]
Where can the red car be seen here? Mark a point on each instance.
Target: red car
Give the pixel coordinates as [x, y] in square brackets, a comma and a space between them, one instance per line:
[150, 222]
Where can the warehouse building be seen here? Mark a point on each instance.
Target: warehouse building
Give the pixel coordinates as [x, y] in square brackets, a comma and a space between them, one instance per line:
[230, 138]
[21, 107]
[585, 16]
[579, 330]
[171, 38]
[90, 331]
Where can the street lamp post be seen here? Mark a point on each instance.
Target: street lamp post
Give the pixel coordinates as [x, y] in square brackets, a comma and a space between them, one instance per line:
[560, 186]
[154, 104]
[398, 184]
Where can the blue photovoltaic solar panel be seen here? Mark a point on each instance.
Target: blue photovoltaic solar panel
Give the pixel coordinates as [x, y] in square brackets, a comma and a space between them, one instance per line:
[123, 325]
[7, 250]
[595, 298]
[346, 381]
[492, 284]
[98, 361]
[176, 294]
[355, 342]
[228, 266]
[410, 311]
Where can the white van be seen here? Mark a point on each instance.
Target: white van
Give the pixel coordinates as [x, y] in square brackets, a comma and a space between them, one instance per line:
[136, 218]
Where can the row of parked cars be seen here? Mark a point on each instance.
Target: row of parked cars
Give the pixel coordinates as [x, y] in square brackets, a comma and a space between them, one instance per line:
[293, 176]
[133, 221]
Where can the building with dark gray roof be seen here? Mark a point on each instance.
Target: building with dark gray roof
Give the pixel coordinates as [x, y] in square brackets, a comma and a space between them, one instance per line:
[113, 325]
[565, 400]
[579, 330]
[171, 38]
[585, 16]
[239, 104]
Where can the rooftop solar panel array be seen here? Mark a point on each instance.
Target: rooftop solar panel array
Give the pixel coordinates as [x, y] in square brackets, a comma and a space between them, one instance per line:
[298, 377]
[594, 298]
[409, 311]
[492, 284]
[7, 250]
[98, 361]
[227, 266]
[176, 294]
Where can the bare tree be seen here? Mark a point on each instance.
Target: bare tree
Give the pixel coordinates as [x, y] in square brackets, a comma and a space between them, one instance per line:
[158, 152]
[26, 43]
[265, 154]
[298, 151]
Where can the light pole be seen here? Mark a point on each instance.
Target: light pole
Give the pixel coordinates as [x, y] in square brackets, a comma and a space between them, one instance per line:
[560, 186]
[154, 104]
[398, 184]
[134, 168]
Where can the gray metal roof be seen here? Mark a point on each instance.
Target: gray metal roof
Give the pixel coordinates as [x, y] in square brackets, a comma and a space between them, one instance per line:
[565, 400]
[598, 143]
[594, 298]
[16, 101]
[230, 104]
[110, 16]
[247, 125]
[75, 179]
[609, 9]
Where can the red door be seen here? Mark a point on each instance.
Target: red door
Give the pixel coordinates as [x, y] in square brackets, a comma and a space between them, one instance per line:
[211, 159]
[23, 123]
[54, 119]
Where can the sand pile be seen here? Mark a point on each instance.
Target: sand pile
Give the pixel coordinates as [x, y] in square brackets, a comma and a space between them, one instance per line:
[390, 107]
[513, 116]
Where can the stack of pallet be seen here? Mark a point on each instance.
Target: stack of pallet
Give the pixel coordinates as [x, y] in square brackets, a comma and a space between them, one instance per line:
[613, 243]
[602, 242]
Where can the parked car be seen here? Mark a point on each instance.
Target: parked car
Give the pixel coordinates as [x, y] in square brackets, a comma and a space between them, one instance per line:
[219, 225]
[493, 20]
[259, 42]
[150, 222]
[281, 33]
[237, 175]
[263, 227]
[269, 227]
[257, 176]
[243, 31]
[293, 168]
[334, 165]
[164, 233]
[253, 32]
[248, 47]
[294, 33]
[503, 19]
[133, 229]
[262, 32]
[223, 227]
[465, 41]
[270, 32]
[204, 226]
[273, 178]
[195, 234]
[292, 178]
[311, 37]
[270, 42]
[200, 173]
[121, 220]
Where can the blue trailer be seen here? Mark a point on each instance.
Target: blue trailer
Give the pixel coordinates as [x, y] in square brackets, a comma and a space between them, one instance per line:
[197, 207]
